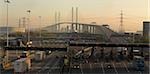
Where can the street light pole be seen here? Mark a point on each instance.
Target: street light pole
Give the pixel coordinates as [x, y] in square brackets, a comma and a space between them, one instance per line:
[40, 28]
[7, 2]
[29, 43]
[28, 25]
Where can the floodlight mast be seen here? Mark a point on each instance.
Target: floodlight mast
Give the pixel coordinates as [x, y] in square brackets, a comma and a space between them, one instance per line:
[29, 11]
[7, 2]
[40, 29]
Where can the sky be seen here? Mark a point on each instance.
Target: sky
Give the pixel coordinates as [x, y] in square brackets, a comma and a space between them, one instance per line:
[99, 11]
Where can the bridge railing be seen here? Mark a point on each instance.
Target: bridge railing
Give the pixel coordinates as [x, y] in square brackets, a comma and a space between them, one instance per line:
[69, 44]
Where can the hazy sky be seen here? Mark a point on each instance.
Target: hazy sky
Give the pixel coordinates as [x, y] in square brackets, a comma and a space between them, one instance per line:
[100, 11]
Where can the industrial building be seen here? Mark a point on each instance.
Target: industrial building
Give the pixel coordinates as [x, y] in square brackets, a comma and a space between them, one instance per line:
[3, 30]
[146, 30]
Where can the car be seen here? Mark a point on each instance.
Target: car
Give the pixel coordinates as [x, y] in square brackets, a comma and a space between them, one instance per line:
[76, 66]
[109, 66]
[50, 52]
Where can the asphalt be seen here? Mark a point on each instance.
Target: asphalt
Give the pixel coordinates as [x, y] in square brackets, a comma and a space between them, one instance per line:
[51, 65]
[101, 68]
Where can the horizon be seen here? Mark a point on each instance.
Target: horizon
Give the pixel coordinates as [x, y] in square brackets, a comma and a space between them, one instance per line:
[101, 12]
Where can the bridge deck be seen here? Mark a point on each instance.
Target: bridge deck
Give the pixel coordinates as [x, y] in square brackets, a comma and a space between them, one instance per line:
[142, 45]
[37, 48]
[112, 44]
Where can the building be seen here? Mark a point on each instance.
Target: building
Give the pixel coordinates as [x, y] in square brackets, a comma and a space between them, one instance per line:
[3, 30]
[139, 32]
[146, 30]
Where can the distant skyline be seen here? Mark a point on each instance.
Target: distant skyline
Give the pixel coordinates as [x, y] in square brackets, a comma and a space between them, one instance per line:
[100, 11]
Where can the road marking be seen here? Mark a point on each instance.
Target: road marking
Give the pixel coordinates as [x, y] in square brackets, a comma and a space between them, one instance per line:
[126, 67]
[90, 66]
[53, 65]
[118, 63]
[61, 69]
[46, 64]
[103, 68]
[115, 68]
[81, 68]
[40, 68]
[44, 67]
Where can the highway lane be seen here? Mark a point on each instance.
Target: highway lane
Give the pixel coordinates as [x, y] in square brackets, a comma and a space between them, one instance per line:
[50, 65]
[47, 67]
[97, 68]
[55, 68]
[101, 68]
[76, 71]
[121, 68]
[86, 68]
[109, 70]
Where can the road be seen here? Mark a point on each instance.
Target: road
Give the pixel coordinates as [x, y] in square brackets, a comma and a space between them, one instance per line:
[101, 68]
[51, 65]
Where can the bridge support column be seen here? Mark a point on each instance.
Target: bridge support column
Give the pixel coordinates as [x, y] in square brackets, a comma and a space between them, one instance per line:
[83, 28]
[79, 30]
[72, 27]
[86, 26]
[76, 27]
[90, 29]
[93, 29]
[67, 29]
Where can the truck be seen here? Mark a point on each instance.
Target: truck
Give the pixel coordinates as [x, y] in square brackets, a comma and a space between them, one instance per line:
[20, 65]
[80, 56]
[138, 63]
[39, 55]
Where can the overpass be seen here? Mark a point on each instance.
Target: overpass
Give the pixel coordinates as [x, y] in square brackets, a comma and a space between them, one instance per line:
[142, 45]
[77, 31]
[84, 28]
[145, 45]
[72, 27]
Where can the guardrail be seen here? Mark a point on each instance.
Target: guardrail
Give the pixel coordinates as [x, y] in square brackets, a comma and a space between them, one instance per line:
[91, 44]
[111, 44]
[37, 48]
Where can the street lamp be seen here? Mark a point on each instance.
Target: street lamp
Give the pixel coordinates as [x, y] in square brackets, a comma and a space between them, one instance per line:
[29, 43]
[40, 28]
[7, 2]
[29, 11]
